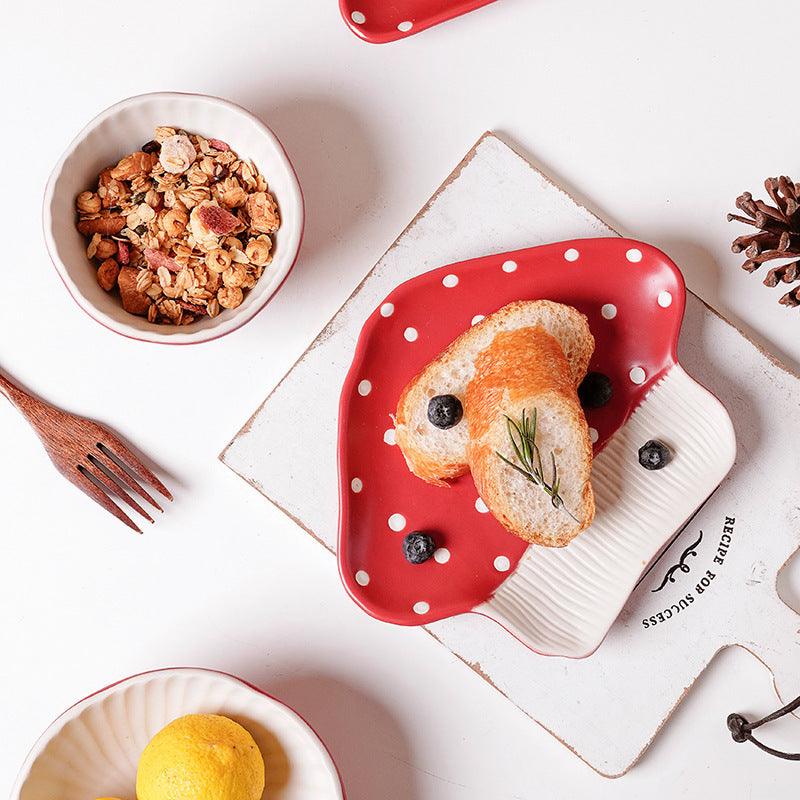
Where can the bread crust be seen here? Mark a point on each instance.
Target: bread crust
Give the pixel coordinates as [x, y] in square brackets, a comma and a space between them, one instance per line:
[525, 369]
[435, 469]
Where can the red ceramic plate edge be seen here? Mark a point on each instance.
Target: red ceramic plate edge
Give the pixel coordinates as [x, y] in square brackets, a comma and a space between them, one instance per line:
[443, 15]
[347, 391]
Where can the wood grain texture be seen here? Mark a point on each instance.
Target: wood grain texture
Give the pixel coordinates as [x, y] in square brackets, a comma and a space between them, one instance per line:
[88, 455]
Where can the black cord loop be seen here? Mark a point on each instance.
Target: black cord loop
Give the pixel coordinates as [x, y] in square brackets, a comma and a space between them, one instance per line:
[741, 729]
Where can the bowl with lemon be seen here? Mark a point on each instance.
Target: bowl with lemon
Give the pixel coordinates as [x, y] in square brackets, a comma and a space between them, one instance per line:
[179, 734]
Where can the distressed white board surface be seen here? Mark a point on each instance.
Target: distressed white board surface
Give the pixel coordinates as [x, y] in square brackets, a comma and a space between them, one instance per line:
[496, 201]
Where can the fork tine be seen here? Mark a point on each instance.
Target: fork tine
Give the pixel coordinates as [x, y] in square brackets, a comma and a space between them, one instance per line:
[117, 473]
[113, 489]
[82, 481]
[125, 458]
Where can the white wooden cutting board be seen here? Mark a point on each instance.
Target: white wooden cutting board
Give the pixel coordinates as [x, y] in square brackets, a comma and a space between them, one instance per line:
[722, 592]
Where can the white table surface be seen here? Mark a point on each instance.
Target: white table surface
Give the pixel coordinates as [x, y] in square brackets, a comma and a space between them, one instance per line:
[656, 115]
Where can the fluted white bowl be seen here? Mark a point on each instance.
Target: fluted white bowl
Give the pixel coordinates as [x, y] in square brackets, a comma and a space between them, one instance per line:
[92, 749]
[120, 130]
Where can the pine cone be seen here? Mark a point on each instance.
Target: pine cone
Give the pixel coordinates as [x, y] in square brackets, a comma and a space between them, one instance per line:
[779, 237]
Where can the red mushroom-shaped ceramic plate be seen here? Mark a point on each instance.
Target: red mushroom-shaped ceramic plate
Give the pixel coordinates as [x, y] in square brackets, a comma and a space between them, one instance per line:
[556, 601]
[378, 22]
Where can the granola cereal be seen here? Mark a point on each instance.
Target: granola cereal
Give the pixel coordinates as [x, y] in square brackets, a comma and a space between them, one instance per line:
[182, 228]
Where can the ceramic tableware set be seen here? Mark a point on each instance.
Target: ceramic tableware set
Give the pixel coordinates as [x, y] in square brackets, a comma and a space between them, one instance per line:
[547, 601]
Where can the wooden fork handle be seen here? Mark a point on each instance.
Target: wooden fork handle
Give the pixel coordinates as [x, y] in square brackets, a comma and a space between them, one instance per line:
[30, 406]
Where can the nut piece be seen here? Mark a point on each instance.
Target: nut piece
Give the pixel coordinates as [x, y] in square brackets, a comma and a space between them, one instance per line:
[177, 154]
[106, 248]
[108, 225]
[133, 301]
[138, 163]
[107, 274]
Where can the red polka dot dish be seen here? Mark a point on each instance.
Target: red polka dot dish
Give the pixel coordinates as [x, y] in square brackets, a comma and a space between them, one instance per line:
[379, 22]
[557, 601]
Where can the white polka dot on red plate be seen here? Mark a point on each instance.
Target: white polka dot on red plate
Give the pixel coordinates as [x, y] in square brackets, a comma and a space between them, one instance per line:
[441, 556]
[405, 27]
[477, 318]
[637, 376]
[410, 334]
[664, 299]
[502, 564]
[387, 309]
[421, 607]
[397, 522]
[481, 506]
[389, 436]
[449, 281]
[572, 254]
[509, 266]
[362, 578]
[364, 388]
[593, 435]
[358, 18]
[634, 255]
[609, 311]
[356, 485]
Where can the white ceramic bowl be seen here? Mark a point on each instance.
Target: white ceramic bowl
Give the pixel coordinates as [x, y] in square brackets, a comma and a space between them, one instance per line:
[122, 129]
[93, 748]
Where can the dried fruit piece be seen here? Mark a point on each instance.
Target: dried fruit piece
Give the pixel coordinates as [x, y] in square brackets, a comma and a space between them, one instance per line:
[107, 225]
[107, 274]
[193, 307]
[133, 301]
[217, 220]
[156, 259]
[124, 253]
[219, 144]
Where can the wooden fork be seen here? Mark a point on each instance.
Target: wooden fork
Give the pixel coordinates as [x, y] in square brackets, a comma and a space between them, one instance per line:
[88, 455]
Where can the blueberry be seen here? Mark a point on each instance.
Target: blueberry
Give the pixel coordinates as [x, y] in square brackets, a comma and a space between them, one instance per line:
[654, 455]
[151, 147]
[595, 390]
[418, 547]
[445, 411]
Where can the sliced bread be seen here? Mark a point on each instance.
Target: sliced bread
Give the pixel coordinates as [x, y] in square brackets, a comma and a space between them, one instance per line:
[529, 449]
[437, 455]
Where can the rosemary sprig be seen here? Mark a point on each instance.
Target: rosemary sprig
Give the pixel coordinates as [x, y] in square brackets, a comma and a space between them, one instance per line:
[522, 435]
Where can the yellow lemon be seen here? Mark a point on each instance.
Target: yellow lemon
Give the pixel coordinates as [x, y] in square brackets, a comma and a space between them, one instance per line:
[201, 757]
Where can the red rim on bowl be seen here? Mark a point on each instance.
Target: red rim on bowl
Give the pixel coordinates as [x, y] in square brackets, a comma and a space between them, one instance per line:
[184, 337]
[43, 739]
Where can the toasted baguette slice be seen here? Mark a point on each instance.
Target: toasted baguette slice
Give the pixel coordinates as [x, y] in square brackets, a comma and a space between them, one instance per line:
[525, 372]
[437, 455]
